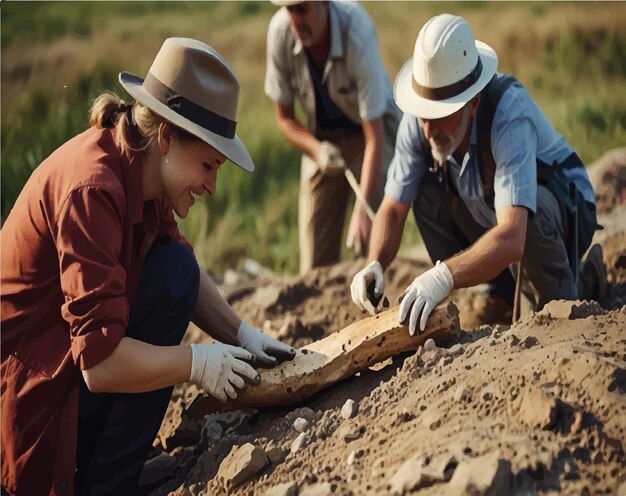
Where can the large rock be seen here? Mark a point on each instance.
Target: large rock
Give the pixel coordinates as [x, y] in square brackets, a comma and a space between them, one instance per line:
[487, 475]
[242, 463]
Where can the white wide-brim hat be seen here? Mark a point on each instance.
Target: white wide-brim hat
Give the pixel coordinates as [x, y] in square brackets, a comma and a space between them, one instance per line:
[190, 85]
[448, 68]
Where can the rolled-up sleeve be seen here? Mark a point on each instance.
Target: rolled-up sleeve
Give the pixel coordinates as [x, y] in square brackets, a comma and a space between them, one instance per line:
[277, 74]
[407, 166]
[514, 145]
[88, 238]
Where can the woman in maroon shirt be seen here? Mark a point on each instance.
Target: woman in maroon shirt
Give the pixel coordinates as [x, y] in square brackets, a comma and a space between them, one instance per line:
[98, 285]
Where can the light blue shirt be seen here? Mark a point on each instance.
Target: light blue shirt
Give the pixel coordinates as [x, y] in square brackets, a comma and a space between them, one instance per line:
[520, 135]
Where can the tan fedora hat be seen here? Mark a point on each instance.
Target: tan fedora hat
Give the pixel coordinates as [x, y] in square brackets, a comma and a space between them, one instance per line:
[191, 85]
[448, 68]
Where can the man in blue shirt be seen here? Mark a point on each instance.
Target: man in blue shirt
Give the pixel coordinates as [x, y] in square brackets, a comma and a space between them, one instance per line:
[490, 181]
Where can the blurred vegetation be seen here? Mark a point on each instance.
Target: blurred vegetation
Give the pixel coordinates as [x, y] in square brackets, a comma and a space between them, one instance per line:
[57, 56]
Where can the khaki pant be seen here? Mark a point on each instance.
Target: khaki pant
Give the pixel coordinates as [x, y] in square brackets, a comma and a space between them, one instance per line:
[323, 199]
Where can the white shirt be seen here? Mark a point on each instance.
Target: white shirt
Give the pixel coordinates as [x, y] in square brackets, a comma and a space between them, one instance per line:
[356, 79]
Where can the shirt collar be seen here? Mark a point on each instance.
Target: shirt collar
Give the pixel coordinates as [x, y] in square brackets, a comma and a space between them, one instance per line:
[336, 36]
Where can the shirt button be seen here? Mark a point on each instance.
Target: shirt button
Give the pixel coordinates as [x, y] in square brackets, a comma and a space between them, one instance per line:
[63, 485]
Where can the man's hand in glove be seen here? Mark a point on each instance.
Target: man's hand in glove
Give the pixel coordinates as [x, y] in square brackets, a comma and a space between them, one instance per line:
[330, 160]
[268, 352]
[424, 294]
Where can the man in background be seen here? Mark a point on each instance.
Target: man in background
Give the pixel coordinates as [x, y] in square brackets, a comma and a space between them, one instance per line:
[325, 55]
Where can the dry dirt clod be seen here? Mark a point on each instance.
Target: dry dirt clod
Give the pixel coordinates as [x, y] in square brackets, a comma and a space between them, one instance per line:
[241, 464]
[349, 409]
[536, 408]
[286, 489]
[489, 475]
[416, 472]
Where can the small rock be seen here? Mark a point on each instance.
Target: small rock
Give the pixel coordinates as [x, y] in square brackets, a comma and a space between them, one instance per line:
[285, 489]
[461, 392]
[354, 455]
[242, 463]
[275, 454]
[298, 442]
[301, 424]
[212, 430]
[430, 345]
[488, 475]
[349, 409]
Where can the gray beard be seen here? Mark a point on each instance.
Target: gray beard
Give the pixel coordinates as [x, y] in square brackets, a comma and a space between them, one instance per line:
[441, 154]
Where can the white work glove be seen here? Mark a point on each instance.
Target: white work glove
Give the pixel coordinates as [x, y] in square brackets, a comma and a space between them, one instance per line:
[358, 288]
[330, 161]
[268, 352]
[424, 294]
[219, 368]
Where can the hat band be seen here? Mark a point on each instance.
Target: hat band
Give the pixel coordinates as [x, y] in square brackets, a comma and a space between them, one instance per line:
[197, 114]
[445, 92]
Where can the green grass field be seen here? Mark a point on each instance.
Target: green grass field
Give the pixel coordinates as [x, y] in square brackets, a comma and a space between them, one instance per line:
[57, 56]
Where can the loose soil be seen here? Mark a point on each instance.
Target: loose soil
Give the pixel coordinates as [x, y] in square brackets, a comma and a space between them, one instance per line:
[536, 407]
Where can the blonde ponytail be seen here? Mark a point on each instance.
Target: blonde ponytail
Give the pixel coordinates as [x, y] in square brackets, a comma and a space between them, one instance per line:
[105, 110]
[137, 124]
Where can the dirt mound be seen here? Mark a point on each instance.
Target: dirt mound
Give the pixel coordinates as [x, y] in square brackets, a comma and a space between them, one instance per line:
[539, 406]
[534, 407]
[608, 176]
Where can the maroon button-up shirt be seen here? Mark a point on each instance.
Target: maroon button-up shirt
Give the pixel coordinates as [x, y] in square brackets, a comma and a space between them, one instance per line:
[73, 247]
